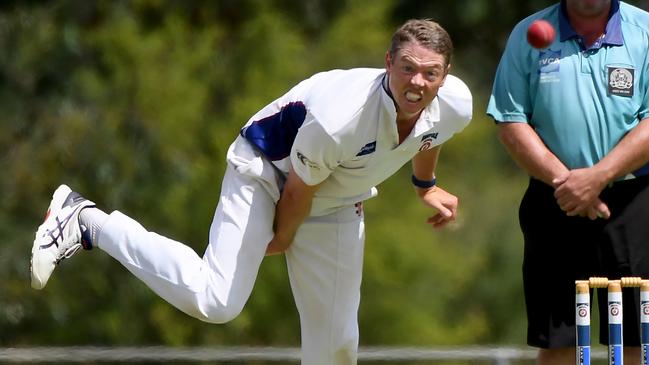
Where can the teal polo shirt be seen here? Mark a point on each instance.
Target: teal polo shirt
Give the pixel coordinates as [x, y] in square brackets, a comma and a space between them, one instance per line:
[581, 101]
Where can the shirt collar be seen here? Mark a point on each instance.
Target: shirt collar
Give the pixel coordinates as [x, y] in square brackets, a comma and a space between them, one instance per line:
[612, 36]
[386, 95]
[429, 116]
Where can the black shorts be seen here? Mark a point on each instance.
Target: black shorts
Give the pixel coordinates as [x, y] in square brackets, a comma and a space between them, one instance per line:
[561, 249]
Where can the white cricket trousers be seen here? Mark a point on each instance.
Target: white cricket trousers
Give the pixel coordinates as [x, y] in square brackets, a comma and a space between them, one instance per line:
[324, 262]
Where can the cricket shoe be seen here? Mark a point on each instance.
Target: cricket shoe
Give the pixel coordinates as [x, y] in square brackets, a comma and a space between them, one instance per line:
[60, 236]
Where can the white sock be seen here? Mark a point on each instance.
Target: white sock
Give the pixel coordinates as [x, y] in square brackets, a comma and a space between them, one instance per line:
[93, 220]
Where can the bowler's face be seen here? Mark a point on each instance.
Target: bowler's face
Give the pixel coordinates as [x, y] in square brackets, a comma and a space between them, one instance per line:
[415, 75]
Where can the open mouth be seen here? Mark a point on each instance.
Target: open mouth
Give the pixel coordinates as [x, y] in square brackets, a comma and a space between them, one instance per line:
[413, 97]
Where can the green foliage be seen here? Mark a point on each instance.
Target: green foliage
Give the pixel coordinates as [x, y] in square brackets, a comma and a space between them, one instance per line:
[134, 104]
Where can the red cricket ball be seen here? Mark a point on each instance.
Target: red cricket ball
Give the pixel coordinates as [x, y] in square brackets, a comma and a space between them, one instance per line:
[540, 34]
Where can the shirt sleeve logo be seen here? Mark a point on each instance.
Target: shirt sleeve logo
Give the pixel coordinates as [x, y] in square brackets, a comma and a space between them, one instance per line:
[306, 162]
[427, 141]
[620, 81]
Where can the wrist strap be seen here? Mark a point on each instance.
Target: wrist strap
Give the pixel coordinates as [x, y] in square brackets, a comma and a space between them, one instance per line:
[424, 184]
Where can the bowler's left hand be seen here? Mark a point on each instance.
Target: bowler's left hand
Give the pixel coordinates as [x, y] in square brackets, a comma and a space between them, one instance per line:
[441, 200]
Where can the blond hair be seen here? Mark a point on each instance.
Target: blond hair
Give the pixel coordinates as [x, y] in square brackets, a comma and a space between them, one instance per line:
[426, 33]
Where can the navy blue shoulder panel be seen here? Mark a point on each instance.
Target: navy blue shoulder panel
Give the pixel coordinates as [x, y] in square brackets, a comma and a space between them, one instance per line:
[275, 134]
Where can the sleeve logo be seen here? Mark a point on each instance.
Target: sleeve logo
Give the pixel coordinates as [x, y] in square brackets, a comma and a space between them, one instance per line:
[306, 162]
[427, 141]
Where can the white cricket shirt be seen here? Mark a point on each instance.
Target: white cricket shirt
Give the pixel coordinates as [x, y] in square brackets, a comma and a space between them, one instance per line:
[339, 128]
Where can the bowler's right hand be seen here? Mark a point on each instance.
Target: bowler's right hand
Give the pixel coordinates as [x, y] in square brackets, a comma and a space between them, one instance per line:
[277, 246]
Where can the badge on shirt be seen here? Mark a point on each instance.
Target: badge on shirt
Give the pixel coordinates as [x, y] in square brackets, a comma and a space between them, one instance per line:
[367, 149]
[549, 64]
[549, 61]
[620, 81]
